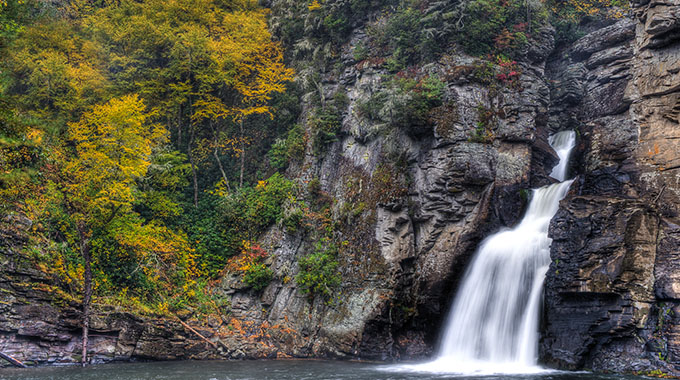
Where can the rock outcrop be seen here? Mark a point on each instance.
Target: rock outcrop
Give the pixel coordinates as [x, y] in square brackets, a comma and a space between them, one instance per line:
[41, 324]
[611, 293]
[404, 255]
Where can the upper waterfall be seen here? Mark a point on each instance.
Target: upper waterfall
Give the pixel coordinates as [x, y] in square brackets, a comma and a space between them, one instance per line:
[563, 143]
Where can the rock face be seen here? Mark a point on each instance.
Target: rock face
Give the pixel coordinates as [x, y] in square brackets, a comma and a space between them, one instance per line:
[404, 254]
[41, 325]
[611, 300]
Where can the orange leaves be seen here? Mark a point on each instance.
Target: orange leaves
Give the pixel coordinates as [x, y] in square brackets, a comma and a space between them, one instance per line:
[250, 255]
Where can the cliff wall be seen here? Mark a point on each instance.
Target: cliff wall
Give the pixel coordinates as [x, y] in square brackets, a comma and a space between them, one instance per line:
[611, 293]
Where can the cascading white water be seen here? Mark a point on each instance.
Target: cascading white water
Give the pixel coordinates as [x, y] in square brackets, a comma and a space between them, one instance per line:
[563, 143]
[493, 325]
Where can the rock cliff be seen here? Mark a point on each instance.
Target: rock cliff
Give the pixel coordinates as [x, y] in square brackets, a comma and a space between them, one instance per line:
[611, 293]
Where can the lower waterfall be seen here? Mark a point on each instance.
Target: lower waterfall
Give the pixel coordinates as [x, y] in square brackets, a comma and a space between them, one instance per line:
[494, 321]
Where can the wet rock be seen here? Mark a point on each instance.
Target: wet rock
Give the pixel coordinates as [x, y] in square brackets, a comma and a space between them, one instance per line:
[611, 291]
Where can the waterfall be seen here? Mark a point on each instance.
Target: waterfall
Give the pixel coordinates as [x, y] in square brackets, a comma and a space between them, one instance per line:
[563, 143]
[493, 324]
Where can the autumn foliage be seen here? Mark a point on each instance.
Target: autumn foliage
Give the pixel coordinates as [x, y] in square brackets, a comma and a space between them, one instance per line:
[123, 128]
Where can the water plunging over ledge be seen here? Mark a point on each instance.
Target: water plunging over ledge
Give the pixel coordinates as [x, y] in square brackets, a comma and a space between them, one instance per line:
[493, 324]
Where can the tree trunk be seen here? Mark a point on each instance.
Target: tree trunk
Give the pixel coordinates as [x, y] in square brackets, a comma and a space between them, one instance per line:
[193, 166]
[243, 153]
[87, 288]
[179, 129]
[217, 158]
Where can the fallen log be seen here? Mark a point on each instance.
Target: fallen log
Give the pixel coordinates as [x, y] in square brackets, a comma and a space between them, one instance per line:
[12, 360]
[196, 332]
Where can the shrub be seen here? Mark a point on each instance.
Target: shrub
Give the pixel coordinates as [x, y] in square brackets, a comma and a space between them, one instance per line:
[290, 149]
[249, 264]
[278, 154]
[293, 221]
[370, 109]
[360, 52]
[400, 35]
[204, 226]
[258, 276]
[498, 26]
[246, 214]
[484, 132]
[325, 125]
[318, 275]
[423, 95]
[405, 103]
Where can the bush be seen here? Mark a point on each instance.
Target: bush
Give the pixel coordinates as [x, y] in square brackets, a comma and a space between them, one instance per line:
[258, 276]
[246, 214]
[498, 26]
[484, 131]
[290, 149]
[360, 52]
[204, 226]
[293, 221]
[318, 274]
[325, 126]
[370, 109]
[249, 264]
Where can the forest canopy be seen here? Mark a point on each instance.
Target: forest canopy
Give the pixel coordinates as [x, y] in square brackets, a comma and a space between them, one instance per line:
[124, 132]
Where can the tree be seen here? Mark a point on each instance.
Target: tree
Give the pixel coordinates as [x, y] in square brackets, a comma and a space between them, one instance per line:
[254, 67]
[103, 178]
[113, 144]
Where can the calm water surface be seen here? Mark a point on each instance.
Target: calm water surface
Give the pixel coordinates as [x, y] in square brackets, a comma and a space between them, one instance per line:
[261, 370]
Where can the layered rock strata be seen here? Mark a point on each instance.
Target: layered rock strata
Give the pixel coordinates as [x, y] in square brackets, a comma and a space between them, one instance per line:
[612, 289]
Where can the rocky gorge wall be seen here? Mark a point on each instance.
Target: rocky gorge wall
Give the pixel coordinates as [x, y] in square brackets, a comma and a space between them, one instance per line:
[414, 221]
[410, 206]
[612, 289]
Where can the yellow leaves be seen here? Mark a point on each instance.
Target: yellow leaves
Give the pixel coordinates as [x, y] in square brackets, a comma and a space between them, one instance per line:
[574, 10]
[314, 5]
[251, 63]
[209, 107]
[113, 144]
[35, 135]
[251, 254]
[220, 189]
[259, 77]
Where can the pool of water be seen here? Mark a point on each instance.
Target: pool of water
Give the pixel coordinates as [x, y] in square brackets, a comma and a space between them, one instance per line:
[268, 369]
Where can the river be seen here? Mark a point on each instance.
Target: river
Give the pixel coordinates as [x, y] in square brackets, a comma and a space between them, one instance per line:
[264, 370]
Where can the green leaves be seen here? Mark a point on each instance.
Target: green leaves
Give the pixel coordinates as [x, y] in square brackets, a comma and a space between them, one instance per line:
[258, 276]
[318, 275]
